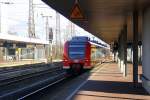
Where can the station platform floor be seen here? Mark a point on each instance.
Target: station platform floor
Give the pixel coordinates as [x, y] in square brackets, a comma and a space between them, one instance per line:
[107, 83]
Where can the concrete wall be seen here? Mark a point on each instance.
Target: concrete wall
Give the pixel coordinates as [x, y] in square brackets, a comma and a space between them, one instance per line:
[146, 50]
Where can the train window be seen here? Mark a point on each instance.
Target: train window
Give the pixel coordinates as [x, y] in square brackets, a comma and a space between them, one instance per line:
[76, 51]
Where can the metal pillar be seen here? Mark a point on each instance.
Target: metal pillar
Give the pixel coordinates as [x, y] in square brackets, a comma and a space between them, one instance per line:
[58, 36]
[140, 55]
[114, 56]
[135, 47]
[51, 52]
[125, 50]
[119, 52]
[115, 48]
[132, 54]
[31, 24]
[122, 52]
[122, 56]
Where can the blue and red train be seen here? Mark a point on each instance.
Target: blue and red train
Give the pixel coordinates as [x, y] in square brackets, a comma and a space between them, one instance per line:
[82, 53]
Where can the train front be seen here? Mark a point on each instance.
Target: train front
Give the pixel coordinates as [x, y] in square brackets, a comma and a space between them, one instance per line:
[76, 55]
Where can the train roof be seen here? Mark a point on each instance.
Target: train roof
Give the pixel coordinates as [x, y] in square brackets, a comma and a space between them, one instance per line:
[87, 39]
[80, 39]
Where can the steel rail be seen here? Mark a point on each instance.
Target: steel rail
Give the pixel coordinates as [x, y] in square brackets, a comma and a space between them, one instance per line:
[27, 76]
[52, 80]
[38, 90]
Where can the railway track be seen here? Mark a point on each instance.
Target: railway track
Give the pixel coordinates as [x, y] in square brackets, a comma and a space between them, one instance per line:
[12, 80]
[20, 86]
[59, 88]
[4, 70]
[16, 71]
[18, 68]
[40, 89]
[26, 86]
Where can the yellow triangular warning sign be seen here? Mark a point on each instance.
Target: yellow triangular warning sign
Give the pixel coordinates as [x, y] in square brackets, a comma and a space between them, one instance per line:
[76, 13]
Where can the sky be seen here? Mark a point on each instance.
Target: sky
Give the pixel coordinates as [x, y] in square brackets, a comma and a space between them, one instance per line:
[15, 19]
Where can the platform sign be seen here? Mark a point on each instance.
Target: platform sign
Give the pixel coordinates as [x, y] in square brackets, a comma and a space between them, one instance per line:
[76, 13]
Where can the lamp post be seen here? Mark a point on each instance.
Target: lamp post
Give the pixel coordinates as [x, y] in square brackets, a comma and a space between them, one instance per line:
[51, 42]
[48, 32]
[48, 49]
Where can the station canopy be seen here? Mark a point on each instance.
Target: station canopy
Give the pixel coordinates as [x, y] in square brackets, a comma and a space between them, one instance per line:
[102, 18]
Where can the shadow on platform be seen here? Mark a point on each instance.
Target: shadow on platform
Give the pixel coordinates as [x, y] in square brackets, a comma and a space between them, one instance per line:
[114, 87]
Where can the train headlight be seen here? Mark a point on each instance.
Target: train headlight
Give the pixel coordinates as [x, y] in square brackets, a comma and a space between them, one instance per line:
[65, 60]
[86, 60]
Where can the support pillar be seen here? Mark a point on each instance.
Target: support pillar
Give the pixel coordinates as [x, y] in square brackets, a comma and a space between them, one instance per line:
[18, 54]
[35, 53]
[114, 56]
[122, 52]
[132, 55]
[51, 51]
[146, 51]
[46, 52]
[140, 54]
[118, 58]
[125, 51]
[6, 53]
[1, 54]
[119, 52]
[135, 47]
[115, 51]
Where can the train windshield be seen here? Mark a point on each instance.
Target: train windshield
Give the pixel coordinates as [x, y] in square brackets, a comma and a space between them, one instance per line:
[76, 51]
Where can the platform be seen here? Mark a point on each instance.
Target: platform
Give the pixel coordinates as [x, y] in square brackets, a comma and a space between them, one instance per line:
[107, 83]
[18, 63]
